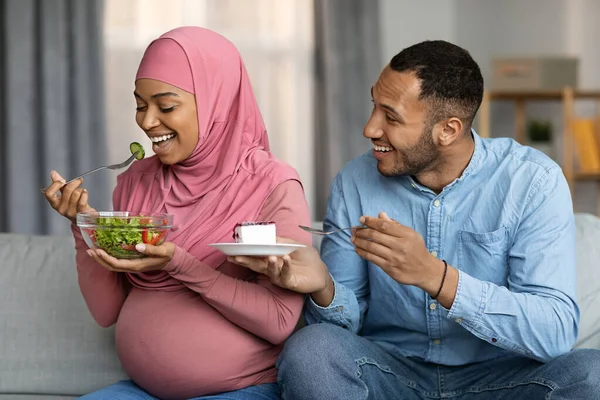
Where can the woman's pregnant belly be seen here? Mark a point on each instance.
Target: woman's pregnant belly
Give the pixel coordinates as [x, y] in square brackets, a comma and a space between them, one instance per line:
[176, 346]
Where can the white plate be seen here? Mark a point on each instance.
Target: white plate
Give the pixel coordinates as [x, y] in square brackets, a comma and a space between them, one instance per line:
[260, 250]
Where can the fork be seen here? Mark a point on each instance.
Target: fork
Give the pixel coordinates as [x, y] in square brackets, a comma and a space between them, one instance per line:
[113, 167]
[321, 232]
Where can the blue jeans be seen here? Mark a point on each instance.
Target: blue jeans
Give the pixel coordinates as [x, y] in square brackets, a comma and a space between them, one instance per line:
[128, 390]
[324, 361]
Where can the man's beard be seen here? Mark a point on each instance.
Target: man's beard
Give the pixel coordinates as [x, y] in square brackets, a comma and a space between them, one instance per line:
[418, 158]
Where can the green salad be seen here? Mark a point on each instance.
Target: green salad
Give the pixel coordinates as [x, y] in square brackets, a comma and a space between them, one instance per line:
[118, 236]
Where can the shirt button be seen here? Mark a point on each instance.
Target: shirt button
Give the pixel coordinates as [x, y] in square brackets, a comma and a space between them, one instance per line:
[494, 340]
[340, 308]
[434, 253]
[437, 341]
[458, 320]
[436, 203]
[432, 306]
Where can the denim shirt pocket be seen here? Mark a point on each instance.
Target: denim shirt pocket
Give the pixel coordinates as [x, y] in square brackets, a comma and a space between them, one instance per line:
[484, 255]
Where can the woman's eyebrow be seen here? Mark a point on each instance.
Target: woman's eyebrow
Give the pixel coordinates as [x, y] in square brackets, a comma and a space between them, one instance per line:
[157, 95]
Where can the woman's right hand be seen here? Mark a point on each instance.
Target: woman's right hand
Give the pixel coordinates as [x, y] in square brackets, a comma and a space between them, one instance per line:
[69, 199]
[302, 271]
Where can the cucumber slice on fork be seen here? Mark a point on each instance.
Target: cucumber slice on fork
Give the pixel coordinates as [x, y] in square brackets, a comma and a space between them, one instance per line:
[135, 147]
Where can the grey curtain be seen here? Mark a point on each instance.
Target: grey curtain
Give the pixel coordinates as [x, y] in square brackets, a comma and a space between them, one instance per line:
[51, 107]
[348, 61]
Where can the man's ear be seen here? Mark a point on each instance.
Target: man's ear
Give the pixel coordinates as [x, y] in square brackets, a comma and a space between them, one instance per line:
[449, 130]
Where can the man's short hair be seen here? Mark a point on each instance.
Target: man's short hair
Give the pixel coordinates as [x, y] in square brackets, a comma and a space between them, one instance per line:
[451, 80]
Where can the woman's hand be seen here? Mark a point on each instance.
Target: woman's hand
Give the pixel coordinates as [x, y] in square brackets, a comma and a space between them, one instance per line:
[157, 260]
[69, 199]
[302, 271]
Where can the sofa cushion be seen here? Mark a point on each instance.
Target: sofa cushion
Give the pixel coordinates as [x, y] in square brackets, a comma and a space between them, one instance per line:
[588, 279]
[50, 344]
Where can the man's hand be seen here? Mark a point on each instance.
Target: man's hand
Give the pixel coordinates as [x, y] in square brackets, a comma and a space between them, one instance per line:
[158, 258]
[401, 253]
[302, 271]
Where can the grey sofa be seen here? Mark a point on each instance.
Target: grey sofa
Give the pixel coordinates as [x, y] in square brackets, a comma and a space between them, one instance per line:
[51, 348]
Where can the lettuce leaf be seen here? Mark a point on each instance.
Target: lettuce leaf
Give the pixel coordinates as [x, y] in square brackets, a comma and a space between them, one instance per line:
[114, 233]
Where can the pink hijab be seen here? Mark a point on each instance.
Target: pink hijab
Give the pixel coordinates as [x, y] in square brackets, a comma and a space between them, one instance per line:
[230, 173]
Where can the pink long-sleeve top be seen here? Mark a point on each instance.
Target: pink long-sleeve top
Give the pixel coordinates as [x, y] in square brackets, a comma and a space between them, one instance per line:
[223, 331]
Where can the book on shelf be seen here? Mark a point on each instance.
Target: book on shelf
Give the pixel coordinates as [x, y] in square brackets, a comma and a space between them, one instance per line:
[586, 137]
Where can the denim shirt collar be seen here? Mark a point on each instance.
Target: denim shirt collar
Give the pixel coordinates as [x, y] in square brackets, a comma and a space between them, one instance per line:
[476, 158]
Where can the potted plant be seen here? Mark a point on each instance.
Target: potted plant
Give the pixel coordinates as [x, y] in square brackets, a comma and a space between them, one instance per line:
[539, 134]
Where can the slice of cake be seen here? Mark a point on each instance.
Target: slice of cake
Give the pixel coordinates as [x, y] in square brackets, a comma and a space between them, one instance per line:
[255, 233]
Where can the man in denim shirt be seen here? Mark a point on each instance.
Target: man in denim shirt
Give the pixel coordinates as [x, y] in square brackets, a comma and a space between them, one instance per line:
[462, 285]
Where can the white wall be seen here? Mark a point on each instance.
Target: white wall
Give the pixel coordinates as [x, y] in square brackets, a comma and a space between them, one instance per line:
[490, 28]
[406, 22]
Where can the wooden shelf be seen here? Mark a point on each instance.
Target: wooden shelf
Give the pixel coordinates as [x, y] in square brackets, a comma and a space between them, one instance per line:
[586, 176]
[567, 97]
[541, 95]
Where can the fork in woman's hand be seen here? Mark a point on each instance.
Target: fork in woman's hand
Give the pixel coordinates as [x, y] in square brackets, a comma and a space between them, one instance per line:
[114, 166]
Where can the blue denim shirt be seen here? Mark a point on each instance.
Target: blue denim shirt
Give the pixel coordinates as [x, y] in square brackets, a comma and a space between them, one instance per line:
[506, 224]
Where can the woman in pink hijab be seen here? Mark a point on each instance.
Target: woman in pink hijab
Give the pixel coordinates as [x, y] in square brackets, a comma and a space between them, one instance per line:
[188, 322]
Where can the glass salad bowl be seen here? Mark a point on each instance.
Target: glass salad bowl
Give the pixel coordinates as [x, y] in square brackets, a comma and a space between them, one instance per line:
[117, 232]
